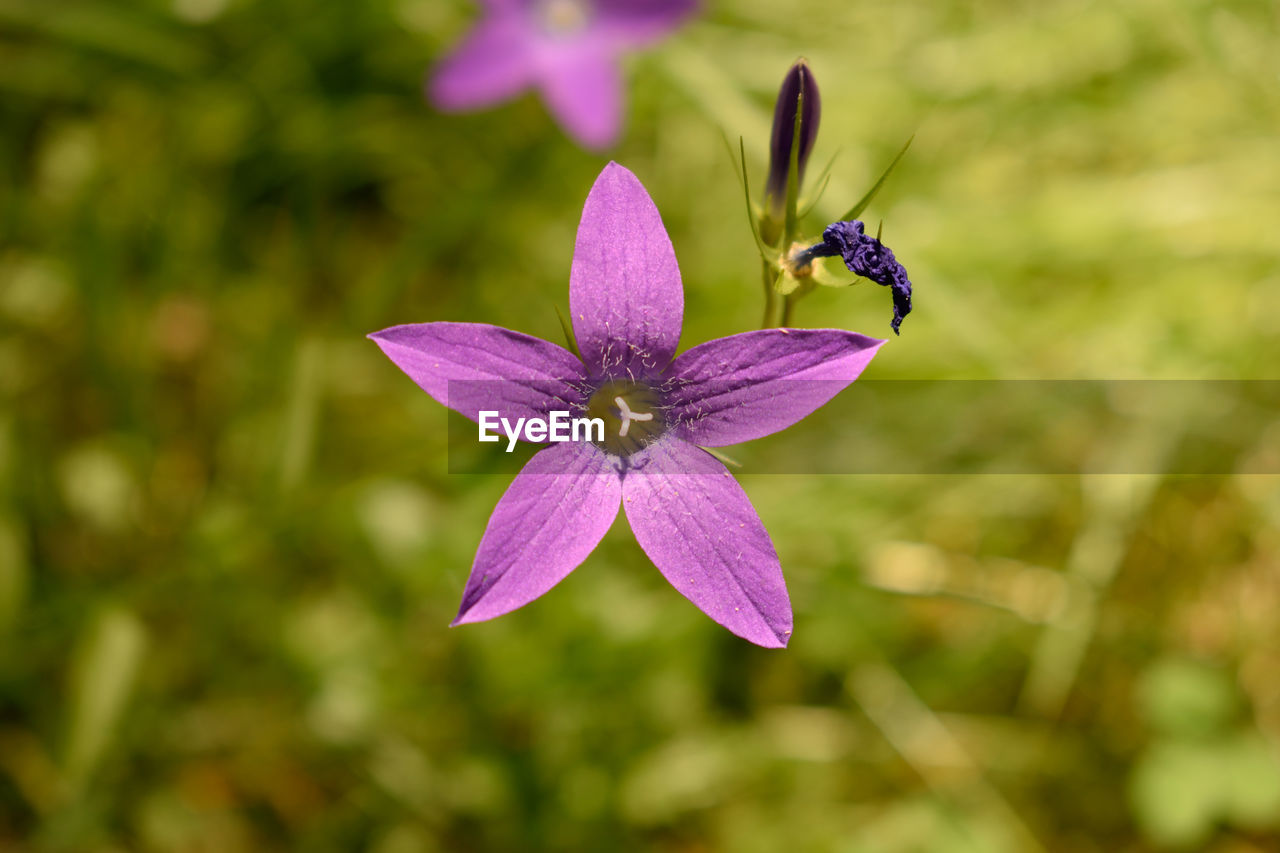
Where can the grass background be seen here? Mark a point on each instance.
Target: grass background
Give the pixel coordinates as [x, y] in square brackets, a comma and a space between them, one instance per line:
[229, 549]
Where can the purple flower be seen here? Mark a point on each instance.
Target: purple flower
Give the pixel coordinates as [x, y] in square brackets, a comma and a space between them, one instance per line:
[567, 49]
[866, 256]
[691, 518]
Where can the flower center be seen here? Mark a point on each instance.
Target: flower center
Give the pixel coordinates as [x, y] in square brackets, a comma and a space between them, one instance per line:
[632, 415]
[798, 261]
[561, 18]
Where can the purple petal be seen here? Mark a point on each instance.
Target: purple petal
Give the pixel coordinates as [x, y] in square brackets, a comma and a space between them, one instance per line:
[473, 366]
[624, 288]
[750, 385]
[635, 23]
[697, 525]
[551, 517]
[583, 89]
[493, 63]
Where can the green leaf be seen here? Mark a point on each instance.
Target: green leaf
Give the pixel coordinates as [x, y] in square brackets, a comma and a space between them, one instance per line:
[1253, 782]
[1176, 792]
[825, 277]
[1186, 697]
[853, 212]
[102, 679]
[723, 457]
[767, 253]
[570, 342]
[786, 284]
[822, 188]
[822, 180]
[13, 574]
[96, 28]
[1181, 789]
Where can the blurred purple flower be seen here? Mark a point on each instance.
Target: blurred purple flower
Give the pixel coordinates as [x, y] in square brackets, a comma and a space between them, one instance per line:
[567, 49]
[688, 514]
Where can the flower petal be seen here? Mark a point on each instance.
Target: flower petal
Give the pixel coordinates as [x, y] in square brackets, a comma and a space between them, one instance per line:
[473, 366]
[750, 385]
[552, 516]
[697, 525]
[493, 63]
[624, 288]
[635, 23]
[582, 85]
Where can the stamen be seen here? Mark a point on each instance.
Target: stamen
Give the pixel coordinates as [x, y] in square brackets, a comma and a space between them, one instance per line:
[632, 413]
[628, 416]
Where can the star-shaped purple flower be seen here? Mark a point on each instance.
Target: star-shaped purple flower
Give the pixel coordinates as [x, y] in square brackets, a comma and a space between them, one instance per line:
[567, 49]
[688, 514]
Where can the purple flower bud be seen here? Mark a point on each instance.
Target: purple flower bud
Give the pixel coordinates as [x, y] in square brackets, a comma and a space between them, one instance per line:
[799, 92]
[866, 256]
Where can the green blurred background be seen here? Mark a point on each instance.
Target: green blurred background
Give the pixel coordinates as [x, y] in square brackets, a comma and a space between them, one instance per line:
[229, 549]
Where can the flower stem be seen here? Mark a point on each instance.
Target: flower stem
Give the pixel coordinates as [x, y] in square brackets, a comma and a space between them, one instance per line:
[770, 296]
[787, 305]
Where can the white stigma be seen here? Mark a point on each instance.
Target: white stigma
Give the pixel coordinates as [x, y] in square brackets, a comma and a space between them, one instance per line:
[628, 416]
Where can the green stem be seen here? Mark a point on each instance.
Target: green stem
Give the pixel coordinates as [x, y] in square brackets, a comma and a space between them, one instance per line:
[787, 305]
[770, 296]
